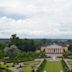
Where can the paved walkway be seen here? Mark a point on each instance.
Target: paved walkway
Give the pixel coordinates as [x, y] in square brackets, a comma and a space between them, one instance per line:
[56, 59]
[15, 70]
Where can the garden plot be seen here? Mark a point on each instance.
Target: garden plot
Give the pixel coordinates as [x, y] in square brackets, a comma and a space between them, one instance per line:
[28, 66]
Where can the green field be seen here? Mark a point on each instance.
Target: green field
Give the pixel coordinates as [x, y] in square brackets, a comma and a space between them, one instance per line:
[54, 66]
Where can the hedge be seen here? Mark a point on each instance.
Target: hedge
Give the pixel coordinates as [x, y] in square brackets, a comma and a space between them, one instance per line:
[4, 69]
[42, 66]
[66, 69]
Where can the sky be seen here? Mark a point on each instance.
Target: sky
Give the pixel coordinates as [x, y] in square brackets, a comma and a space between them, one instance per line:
[36, 18]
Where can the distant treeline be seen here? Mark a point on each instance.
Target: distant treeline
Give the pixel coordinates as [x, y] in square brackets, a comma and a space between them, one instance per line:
[31, 44]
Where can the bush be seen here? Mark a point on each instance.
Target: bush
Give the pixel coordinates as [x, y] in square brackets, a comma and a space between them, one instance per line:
[66, 69]
[42, 66]
[7, 66]
[4, 70]
[13, 65]
[68, 55]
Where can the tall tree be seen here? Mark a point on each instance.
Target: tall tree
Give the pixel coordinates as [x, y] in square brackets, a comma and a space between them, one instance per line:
[14, 40]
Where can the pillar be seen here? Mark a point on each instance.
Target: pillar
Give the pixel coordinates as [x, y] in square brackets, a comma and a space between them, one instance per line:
[48, 50]
[57, 50]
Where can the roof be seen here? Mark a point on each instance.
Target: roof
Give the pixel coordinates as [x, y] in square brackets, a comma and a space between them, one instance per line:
[54, 46]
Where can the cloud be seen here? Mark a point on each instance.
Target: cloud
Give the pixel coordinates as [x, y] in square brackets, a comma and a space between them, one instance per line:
[32, 7]
[34, 27]
[36, 19]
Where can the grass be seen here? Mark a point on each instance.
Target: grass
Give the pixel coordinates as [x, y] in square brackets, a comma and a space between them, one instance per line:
[29, 65]
[70, 62]
[27, 69]
[4, 67]
[54, 66]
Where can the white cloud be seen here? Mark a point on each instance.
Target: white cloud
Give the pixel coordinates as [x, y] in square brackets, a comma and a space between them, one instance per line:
[36, 26]
[47, 18]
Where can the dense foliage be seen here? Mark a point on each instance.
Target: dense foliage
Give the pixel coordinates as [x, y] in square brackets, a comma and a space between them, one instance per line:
[42, 66]
[20, 56]
[67, 55]
[25, 45]
[18, 50]
[66, 69]
[70, 45]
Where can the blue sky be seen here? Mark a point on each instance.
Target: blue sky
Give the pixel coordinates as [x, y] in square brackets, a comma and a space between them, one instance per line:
[36, 18]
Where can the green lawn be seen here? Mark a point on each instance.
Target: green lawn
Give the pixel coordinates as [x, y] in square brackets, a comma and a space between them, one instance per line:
[27, 69]
[70, 62]
[4, 68]
[54, 66]
[28, 66]
[31, 63]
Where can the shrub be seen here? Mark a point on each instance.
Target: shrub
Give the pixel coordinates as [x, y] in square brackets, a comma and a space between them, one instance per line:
[42, 66]
[13, 65]
[66, 69]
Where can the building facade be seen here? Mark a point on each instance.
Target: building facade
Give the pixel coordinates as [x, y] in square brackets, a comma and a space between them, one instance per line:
[54, 49]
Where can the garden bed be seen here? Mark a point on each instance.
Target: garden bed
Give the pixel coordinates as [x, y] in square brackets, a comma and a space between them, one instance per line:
[29, 66]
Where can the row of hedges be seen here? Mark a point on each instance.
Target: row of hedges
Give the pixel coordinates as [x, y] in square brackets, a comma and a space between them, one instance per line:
[4, 69]
[66, 69]
[42, 66]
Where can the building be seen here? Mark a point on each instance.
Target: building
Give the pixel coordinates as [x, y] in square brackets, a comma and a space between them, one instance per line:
[54, 49]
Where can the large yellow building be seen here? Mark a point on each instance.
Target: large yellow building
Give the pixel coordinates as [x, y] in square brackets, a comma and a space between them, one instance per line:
[54, 49]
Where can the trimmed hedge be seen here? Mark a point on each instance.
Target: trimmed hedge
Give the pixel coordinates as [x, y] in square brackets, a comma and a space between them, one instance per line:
[42, 66]
[66, 69]
[4, 69]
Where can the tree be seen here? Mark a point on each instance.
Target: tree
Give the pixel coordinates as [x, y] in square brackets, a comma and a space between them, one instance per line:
[70, 47]
[1, 54]
[14, 40]
[31, 45]
[13, 49]
[25, 45]
[2, 46]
